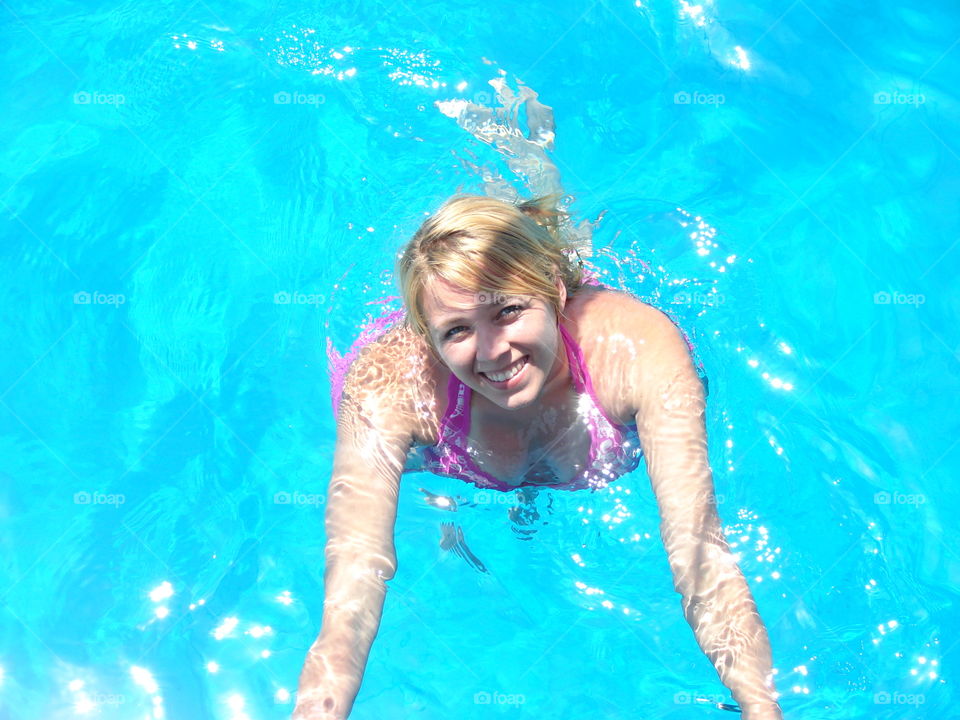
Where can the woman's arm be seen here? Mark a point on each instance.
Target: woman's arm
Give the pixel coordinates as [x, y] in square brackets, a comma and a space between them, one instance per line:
[373, 436]
[716, 600]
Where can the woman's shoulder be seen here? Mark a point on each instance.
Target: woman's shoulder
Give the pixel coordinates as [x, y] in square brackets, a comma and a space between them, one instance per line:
[399, 375]
[600, 311]
[620, 336]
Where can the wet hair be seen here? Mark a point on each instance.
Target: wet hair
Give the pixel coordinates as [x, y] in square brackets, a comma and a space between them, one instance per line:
[490, 247]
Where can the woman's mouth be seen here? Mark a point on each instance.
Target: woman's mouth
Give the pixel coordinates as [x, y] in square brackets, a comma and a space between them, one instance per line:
[508, 374]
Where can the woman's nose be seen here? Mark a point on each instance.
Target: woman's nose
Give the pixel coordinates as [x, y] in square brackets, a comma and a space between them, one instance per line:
[492, 346]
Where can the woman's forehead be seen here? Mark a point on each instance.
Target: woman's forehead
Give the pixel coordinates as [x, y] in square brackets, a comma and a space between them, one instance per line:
[443, 299]
[440, 296]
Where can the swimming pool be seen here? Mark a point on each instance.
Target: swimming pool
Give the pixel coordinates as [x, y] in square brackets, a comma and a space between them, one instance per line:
[197, 197]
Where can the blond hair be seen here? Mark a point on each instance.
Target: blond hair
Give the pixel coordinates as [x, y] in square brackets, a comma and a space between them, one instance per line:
[486, 245]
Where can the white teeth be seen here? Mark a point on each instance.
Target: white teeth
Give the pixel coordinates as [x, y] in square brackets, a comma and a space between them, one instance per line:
[513, 370]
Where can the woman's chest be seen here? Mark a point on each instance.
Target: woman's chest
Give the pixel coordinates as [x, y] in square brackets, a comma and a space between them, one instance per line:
[555, 449]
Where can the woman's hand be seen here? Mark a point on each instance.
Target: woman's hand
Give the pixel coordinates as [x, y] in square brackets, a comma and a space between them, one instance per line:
[317, 693]
[313, 709]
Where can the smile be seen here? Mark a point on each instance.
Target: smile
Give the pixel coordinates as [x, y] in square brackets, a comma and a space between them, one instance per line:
[507, 374]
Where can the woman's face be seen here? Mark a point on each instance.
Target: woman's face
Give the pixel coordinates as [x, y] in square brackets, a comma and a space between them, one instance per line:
[503, 347]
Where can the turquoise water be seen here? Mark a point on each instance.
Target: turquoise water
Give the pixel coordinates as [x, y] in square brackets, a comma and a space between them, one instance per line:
[167, 170]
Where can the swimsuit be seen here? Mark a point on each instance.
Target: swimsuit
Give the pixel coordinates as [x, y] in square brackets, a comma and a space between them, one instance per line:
[614, 449]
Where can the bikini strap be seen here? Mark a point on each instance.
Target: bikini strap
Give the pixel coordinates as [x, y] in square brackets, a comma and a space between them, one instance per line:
[581, 381]
[456, 420]
[580, 376]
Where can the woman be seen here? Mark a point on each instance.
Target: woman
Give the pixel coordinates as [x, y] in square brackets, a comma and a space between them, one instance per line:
[512, 370]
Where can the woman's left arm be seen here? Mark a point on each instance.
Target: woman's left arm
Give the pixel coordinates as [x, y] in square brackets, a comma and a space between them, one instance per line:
[669, 403]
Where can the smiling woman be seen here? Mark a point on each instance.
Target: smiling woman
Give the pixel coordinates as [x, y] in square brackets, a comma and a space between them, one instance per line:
[491, 286]
[512, 370]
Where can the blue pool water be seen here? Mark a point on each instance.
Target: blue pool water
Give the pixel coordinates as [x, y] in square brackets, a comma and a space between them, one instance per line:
[783, 181]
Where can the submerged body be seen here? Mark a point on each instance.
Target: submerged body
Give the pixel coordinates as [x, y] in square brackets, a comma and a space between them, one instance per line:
[552, 378]
[392, 418]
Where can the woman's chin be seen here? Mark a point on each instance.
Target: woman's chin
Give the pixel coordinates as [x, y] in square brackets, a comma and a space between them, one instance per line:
[511, 403]
[519, 400]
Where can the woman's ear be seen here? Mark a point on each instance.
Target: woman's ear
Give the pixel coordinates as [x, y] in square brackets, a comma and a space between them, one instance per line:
[562, 290]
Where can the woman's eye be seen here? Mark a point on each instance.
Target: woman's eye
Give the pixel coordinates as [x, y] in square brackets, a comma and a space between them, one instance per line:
[505, 312]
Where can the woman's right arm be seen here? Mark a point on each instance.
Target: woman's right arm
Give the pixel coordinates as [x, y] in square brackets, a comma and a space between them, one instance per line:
[374, 433]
